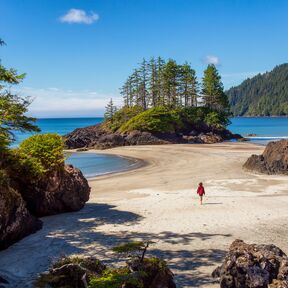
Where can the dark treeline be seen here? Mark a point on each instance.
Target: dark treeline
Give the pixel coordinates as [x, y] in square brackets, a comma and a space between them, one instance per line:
[263, 95]
[165, 83]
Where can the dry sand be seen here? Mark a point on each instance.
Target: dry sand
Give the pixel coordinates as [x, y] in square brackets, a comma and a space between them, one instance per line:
[159, 202]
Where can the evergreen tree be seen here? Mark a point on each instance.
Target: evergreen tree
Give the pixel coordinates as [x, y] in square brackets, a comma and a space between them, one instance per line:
[170, 75]
[153, 83]
[110, 110]
[213, 90]
[12, 107]
[188, 86]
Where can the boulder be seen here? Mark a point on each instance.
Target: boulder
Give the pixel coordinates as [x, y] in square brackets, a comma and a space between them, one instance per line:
[253, 266]
[66, 190]
[211, 138]
[82, 272]
[84, 137]
[16, 221]
[274, 159]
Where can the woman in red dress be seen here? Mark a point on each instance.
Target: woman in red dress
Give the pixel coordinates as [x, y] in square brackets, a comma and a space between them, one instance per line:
[201, 191]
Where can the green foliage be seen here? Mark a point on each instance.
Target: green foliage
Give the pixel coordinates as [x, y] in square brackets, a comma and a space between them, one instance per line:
[129, 247]
[41, 154]
[115, 278]
[154, 263]
[12, 107]
[263, 95]
[160, 83]
[121, 116]
[213, 90]
[110, 111]
[158, 119]
[12, 117]
[216, 119]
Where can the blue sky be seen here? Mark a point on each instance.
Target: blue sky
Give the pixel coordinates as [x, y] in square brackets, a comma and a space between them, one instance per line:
[77, 53]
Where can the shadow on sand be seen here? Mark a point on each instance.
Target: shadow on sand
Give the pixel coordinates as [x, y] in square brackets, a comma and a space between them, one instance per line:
[78, 232]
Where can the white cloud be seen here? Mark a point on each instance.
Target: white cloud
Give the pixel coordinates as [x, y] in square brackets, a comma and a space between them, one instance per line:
[79, 17]
[55, 102]
[211, 59]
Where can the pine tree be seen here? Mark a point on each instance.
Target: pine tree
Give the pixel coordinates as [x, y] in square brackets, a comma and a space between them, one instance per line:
[188, 86]
[170, 75]
[110, 110]
[213, 90]
[153, 89]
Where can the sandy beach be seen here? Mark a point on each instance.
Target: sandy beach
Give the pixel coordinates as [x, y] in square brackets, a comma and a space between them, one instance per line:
[158, 202]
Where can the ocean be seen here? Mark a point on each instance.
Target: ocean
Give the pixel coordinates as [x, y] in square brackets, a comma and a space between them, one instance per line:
[265, 129]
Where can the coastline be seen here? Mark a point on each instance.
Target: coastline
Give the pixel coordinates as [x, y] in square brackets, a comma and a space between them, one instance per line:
[158, 202]
[136, 162]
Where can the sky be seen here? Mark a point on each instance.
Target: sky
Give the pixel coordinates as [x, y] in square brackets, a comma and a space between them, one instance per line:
[78, 53]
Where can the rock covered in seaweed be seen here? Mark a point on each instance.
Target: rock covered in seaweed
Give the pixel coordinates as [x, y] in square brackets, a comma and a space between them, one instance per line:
[274, 159]
[16, 221]
[66, 190]
[253, 266]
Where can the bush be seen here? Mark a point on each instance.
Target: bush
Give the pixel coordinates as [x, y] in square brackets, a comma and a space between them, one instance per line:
[41, 154]
[158, 119]
[122, 116]
[216, 119]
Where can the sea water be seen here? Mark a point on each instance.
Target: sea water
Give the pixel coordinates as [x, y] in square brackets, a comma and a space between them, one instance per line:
[260, 130]
[265, 129]
[91, 164]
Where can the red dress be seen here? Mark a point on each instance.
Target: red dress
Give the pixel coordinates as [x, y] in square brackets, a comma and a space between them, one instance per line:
[200, 191]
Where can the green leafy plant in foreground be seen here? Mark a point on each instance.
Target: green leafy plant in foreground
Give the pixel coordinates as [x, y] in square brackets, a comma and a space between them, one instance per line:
[40, 154]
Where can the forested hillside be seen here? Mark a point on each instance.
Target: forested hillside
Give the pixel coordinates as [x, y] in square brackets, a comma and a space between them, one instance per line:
[263, 95]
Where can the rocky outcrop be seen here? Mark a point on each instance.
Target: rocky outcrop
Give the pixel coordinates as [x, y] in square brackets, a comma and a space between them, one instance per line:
[16, 221]
[99, 138]
[274, 159]
[22, 199]
[64, 191]
[82, 272]
[253, 266]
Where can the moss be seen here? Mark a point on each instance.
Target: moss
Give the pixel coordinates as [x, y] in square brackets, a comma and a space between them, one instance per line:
[115, 278]
[154, 263]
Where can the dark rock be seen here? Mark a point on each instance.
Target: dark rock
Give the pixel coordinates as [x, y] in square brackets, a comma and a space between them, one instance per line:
[84, 137]
[253, 266]
[251, 134]
[71, 272]
[193, 139]
[97, 137]
[274, 159]
[65, 191]
[4, 281]
[16, 221]
[193, 133]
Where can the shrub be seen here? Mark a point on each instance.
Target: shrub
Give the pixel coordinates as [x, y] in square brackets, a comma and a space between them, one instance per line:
[158, 119]
[41, 154]
[216, 119]
[122, 116]
[115, 278]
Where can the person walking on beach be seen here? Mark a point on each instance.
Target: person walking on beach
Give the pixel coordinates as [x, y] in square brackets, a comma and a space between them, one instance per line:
[201, 191]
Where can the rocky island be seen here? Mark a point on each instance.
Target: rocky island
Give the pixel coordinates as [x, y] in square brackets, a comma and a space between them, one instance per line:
[162, 105]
